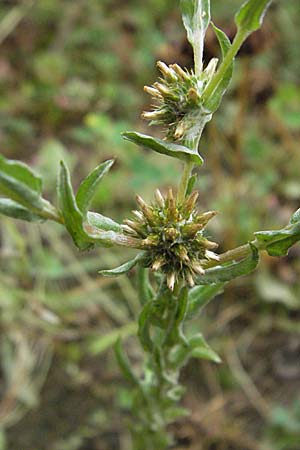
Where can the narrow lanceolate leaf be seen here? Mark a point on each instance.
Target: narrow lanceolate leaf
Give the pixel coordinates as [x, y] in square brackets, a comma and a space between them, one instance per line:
[12, 209]
[164, 147]
[182, 306]
[251, 14]
[215, 99]
[21, 172]
[89, 186]
[144, 327]
[200, 296]
[71, 214]
[102, 222]
[224, 273]
[278, 242]
[124, 363]
[201, 349]
[145, 291]
[196, 18]
[19, 183]
[124, 268]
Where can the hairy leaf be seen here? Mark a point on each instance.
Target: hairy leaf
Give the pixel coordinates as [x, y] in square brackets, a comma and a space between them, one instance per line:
[215, 99]
[182, 306]
[145, 291]
[21, 172]
[196, 18]
[124, 268]
[251, 14]
[144, 327]
[164, 147]
[295, 217]
[223, 273]
[19, 183]
[12, 209]
[200, 296]
[89, 186]
[278, 242]
[124, 363]
[102, 222]
[201, 349]
[71, 214]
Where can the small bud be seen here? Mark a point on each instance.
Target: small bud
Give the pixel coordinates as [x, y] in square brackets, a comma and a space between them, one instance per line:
[182, 253]
[171, 210]
[152, 91]
[171, 280]
[193, 95]
[191, 229]
[180, 71]
[138, 215]
[209, 244]
[197, 268]
[180, 130]
[159, 198]
[163, 89]
[212, 255]
[147, 210]
[150, 241]
[135, 227]
[211, 67]
[153, 115]
[167, 72]
[171, 234]
[205, 217]
[190, 202]
[158, 263]
[189, 279]
[129, 230]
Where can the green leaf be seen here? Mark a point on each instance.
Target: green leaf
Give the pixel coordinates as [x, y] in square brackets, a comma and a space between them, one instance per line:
[89, 186]
[224, 273]
[278, 242]
[71, 214]
[145, 291]
[124, 268]
[196, 347]
[200, 296]
[102, 222]
[164, 147]
[191, 184]
[213, 103]
[124, 363]
[295, 217]
[196, 18]
[19, 183]
[182, 306]
[144, 327]
[201, 349]
[21, 172]
[12, 209]
[251, 14]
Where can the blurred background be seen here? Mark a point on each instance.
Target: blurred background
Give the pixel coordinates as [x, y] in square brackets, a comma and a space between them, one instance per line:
[71, 80]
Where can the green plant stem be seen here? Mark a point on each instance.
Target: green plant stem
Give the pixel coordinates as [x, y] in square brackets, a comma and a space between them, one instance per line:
[230, 55]
[187, 170]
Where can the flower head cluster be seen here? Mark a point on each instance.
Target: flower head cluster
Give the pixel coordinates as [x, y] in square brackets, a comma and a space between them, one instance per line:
[177, 95]
[172, 236]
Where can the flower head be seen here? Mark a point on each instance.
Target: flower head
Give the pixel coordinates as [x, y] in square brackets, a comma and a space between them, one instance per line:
[172, 236]
[177, 98]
